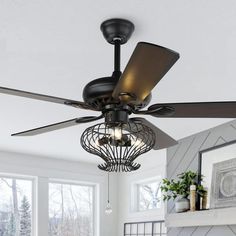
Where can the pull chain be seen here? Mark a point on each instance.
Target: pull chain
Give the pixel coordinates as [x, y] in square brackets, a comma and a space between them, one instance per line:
[108, 188]
[108, 209]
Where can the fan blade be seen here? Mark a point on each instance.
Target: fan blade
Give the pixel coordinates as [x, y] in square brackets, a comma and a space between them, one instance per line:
[163, 140]
[46, 98]
[146, 67]
[195, 110]
[57, 126]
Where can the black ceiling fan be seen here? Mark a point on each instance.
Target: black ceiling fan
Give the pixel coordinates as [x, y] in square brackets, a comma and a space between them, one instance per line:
[122, 94]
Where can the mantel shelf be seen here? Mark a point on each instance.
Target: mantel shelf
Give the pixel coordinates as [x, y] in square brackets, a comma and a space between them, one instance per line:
[223, 216]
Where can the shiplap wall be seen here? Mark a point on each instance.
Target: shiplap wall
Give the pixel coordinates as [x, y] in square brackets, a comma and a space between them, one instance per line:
[184, 156]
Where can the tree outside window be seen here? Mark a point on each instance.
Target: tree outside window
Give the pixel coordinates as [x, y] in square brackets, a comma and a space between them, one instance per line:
[71, 210]
[15, 207]
[149, 195]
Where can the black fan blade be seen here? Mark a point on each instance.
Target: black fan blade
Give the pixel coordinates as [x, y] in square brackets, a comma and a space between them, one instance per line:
[163, 140]
[194, 110]
[57, 126]
[146, 67]
[46, 98]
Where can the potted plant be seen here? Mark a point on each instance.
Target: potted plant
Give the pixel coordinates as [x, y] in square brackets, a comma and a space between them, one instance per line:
[180, 188]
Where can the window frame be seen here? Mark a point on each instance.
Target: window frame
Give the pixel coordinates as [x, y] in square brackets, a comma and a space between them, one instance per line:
[95, 187]
[33, 180]
[35, 197]
[135, 194]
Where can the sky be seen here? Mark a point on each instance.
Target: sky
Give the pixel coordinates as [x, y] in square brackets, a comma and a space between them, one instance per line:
[24, 189]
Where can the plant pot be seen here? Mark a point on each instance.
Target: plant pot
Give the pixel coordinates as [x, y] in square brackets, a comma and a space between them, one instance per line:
[182, 205]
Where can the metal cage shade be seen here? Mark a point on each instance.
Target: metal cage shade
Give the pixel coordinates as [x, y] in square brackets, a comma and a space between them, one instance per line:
[118, 144]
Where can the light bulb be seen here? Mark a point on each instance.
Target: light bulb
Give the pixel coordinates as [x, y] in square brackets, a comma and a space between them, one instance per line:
[108, 209]
[96, 143]
[117, 133]
[138, 143]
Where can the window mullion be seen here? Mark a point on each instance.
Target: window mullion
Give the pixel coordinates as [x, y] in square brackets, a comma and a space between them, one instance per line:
[42, 207]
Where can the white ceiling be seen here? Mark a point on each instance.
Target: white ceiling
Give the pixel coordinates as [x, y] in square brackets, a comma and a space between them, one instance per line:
[55, 47]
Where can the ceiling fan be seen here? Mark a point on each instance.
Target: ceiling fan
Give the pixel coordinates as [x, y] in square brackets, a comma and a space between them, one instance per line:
[122, 94]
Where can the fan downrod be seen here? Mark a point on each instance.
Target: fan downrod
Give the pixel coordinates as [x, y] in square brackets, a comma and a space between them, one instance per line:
[116, 28]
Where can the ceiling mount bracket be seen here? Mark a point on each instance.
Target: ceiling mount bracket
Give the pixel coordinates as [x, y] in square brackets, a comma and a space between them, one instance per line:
[114, 29]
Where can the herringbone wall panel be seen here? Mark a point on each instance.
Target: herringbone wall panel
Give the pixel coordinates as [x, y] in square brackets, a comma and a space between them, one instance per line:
[184, 156]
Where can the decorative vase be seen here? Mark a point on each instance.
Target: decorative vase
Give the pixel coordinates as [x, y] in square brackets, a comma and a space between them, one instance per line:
[182, 205]
[192, 196]
[204, 201]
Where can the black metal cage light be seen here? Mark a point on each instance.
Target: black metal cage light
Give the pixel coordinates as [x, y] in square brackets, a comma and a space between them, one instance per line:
[118, 144]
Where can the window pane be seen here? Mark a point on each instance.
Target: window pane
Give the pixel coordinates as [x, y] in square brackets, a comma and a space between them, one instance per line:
[15, 207]
[70, 210]
[149, 196]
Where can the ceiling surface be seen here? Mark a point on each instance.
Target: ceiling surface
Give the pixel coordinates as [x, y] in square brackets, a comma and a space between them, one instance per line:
[55, 47]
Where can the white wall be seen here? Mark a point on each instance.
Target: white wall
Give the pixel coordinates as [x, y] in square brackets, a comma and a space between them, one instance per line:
[152, 164]
[45, 168]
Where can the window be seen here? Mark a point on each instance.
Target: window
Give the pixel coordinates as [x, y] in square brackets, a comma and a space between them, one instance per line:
[71, 210]
[148, 195]
[152, 228]
[15, 206]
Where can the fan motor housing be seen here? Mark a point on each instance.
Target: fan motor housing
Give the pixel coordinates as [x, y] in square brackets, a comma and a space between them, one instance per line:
[98, 93]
